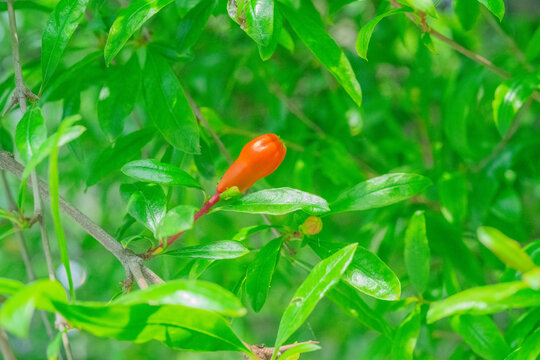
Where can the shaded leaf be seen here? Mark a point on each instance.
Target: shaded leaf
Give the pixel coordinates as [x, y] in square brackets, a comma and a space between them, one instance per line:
[467, 12]
[176, 220]
[417, 254]
[192, 25]
[453, 194]
[9, 286]
[482, 335]
[404, 341]
[146, 203]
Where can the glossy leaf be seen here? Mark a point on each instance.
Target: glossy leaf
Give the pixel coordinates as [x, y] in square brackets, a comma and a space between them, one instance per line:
[293, 353]
[30, 133]
[124, 149]
[276, 202]
[59, 29]
[218, 250]
[266, 51]
[190, 293]
[510, 96]
[529, 349]
[364, 36]
[467, 12]
[352, 305]
[260, 272]
[485, 300]
[160, 173]
[146, 203]
[453, 194]
[321, 279]
[176, 220]
[482, 335]
[118, 95]
[307, 24]
[495, 6]
[417, 253]
[366, 273]
[128, 21]
[255, 17]
[380, 191]
[404, 341]
[170, 109]
[508, 250]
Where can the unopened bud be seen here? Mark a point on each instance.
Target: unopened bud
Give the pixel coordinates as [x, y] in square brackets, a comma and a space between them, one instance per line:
[312, 226]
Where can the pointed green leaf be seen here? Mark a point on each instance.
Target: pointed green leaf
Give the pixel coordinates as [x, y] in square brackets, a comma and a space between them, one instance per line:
[294, 353]
[30, 133]
[168, 106]
[146, 203]
[128, 21]
[60, 27]
[160, 173]
[482, 335]
[255, 17]
[495, 6]
[307, 24]
[218, 250]
[176, 220]
[321, 279]
[260, 272]
[417, 254]
[380, 191]
[404, 341]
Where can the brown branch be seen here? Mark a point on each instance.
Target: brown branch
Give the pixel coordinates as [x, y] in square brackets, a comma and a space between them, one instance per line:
[5, 347]
[265, 353]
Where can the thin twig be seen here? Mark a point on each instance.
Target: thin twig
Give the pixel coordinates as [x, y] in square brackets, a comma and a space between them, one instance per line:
[5, 347]
[265, 353]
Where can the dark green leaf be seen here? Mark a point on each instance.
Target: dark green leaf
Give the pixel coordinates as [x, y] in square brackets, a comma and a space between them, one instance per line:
[404, 341]
[168, 106]
[128, 21]
[276, 202]
[366, 272]
[30, 133]
[467, 12]
[495, 6]
[364, 36]
[192, 25]
[147, 204]
[160, 173]
[482, 335]
[260, 272]
[124, 149]
[60, 27]
[485, 300]
[176, 220]
[508, 250]
[6, 142]
[380, 191]
[453, 194]
[307, 24]
[533, 48]
[321, 279]
[117, 97]
[9, 287]
[190, 293]
[216, 251]
[417, 254]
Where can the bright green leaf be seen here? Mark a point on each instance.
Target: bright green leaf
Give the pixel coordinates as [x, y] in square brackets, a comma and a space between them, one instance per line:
[53, 349]
[176, 220]
[293, 353]
[146, 203]
[218, 250]
[453, 194]
[404, 341]
[9, 287]
[255, 17]
[30, 133]
[160, 173]
[482, 335]
[417, 254]
[495, 6]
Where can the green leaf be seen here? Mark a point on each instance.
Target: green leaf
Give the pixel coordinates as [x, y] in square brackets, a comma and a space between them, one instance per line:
[485, 300]
[495, 6]
[16, 313]
[118, 95]
[417, 254]
[22, 4]
[276, 202]
[380, 191]
[482, 335]
[533, 48]
[364, 36]
[124, 149]
[366, 272]
[260, 272]
[192, 25]
[168, 106]
[146, 203]
[321, 279]
[176, 220]
[248, 231]
[307, 24]
[293, 353]
[128, 21]
[6, 142]
[423, 5]
[507, 250]
[53, 349]
[453, 194]
[9, 287]
[30, 133]
[529, 349]
[190, 293]
[406, 336]
[218, 250]
[352, 305]
[160, 173]
[510, 96]
[522, 326]
[467, 12]
[255, 17]
[60, 27]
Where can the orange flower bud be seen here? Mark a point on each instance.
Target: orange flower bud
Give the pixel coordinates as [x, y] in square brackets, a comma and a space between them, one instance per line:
[259, 158]
[312, 226]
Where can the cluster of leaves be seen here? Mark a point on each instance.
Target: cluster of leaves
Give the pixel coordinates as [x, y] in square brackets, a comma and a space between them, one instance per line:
[425, 170]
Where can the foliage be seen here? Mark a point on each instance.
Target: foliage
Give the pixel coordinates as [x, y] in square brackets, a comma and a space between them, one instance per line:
[421, 164]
